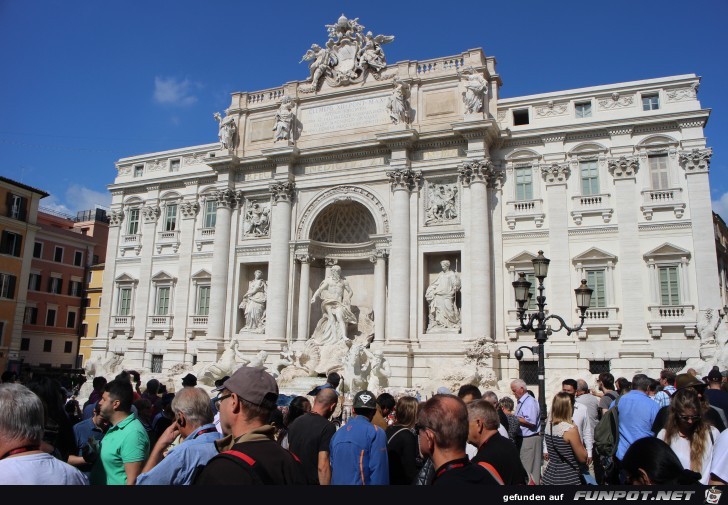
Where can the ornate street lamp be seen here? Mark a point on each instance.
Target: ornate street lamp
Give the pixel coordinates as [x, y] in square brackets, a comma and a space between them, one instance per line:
[537, 321]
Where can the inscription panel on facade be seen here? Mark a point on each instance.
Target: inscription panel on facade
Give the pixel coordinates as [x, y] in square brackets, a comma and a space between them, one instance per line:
[344, 116]
[314, 168]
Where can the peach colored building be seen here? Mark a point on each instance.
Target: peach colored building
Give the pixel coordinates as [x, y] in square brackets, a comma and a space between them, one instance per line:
[63, 252]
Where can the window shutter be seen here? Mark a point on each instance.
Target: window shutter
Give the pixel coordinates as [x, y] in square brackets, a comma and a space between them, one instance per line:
[60, 286]
[9, 204]
[11, 287]
[18, 245]
[4, 243]
[23, 212]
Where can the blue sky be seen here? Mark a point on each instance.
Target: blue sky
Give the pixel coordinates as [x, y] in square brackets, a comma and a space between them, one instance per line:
[85, 83]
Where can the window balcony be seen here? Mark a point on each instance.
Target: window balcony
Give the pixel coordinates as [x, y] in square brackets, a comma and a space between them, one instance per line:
[159, 325]
[198, 321]
[204, 236]
[681, 316]
[168, 238]
[130, 242]
[662, 199]
[600, 318]
[591, 205]
[524, 210]
[122, 322]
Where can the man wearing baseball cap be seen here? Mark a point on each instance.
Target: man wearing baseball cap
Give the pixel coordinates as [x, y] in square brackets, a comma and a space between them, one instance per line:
[716, 396]
[359, 449]
[249, 454]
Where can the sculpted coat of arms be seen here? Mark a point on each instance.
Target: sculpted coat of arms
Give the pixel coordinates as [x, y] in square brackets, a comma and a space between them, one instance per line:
[348, 57]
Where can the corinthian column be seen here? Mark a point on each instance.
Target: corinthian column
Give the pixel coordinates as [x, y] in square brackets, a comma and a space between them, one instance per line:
[477, 176]
[220, 256]
[303, 296]
[403, 181]
[380, 294]
[279, 268]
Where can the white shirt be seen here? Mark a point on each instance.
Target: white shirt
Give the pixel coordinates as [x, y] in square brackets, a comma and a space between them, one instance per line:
[681, 447]
[39, 469]
[719, 465]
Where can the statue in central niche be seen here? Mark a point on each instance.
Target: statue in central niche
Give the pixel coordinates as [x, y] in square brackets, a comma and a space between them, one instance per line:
[335, 294]
[444, 315]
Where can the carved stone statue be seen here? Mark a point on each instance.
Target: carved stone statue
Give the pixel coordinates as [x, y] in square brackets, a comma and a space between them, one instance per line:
[379, 371]
[335, 306]
[356, 369]
[441, 203]
[398, 103]
[443, 313]
[257, 220]
[253, 304]
[224, 366]
[475, 89]
[287, 358]
[258, 360]
[285, 119]
[226, 131]
[349, 56]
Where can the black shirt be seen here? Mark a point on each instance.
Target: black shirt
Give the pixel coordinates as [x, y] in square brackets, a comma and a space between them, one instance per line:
[273, 465]
[462, 471]
[718, 398]
[403, 451]
[308, 435]
[503, 455]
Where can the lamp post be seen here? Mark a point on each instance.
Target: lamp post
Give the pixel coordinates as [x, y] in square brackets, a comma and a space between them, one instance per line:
[537, 321]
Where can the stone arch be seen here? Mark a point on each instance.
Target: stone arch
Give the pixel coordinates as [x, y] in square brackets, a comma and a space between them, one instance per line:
[587, 147]
[657, 140]
[354, 194]
[522, 154]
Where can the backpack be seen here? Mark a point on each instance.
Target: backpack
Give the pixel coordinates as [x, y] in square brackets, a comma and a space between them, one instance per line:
[606, 436]
[251, 466]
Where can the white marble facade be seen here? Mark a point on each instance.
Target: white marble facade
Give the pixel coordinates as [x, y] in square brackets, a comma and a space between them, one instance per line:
[608, 190]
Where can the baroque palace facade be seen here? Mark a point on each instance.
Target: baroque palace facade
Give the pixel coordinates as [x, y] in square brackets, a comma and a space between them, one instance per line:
[386, 171]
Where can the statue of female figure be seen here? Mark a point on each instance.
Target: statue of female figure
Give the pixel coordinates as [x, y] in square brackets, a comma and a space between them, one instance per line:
[285, 117]
[397, 104]
[444, 314]
[475, 89]
[253, 304]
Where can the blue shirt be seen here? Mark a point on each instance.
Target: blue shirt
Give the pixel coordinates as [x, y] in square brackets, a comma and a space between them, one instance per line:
[182, 461]
[637, 412]
[359, 454]
[529, 410]
[81, 433]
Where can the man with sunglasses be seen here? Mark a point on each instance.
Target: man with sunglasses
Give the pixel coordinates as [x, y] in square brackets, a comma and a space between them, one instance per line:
[248, 453]
[193, 421]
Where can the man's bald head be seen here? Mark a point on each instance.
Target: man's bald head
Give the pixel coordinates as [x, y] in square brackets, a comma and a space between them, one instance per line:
[326, 396]
[447, 417]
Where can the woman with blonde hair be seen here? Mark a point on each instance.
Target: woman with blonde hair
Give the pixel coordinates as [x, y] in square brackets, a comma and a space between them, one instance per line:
[402, 444]
[688, 434]
[564, 444]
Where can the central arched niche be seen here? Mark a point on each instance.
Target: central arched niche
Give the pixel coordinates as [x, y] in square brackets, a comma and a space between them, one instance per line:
[343, 222]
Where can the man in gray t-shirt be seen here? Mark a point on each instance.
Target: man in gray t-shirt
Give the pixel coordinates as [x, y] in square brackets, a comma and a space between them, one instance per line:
[606, 386]
[591, 402]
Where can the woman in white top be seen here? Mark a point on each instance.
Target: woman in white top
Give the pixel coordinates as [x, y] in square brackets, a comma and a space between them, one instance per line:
[688, 434]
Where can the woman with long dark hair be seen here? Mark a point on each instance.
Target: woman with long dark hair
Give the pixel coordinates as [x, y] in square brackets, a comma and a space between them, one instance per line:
[564, 444]
[298, 406]
[688, 434]
[650, 461]
[402, 445]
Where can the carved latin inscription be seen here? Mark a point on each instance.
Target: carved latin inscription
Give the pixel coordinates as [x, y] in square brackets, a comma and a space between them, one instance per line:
[345, 116]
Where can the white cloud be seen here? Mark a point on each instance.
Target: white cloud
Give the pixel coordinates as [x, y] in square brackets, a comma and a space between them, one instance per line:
[86, 199]
[720, 206]
[172, 91]
[52, 203]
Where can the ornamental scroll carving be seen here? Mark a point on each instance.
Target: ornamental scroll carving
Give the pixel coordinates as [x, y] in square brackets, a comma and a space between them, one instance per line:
[615, 101]
[480, 170]
[697, 160]
[151, 213]
[189, 209]
[681, 94]
[623, 167]
[282, 191]
[552, 109]
[405, 179]
[116, 218]
[555, 173]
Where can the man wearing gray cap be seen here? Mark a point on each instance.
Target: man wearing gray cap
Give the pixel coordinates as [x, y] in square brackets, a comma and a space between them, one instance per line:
[359, 449]
[248, 453]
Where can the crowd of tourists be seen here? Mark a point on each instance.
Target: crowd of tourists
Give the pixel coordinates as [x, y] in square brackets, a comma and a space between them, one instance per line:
[665, 431]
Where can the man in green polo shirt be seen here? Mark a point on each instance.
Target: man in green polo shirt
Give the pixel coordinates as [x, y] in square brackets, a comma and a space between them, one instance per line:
[125, 446]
